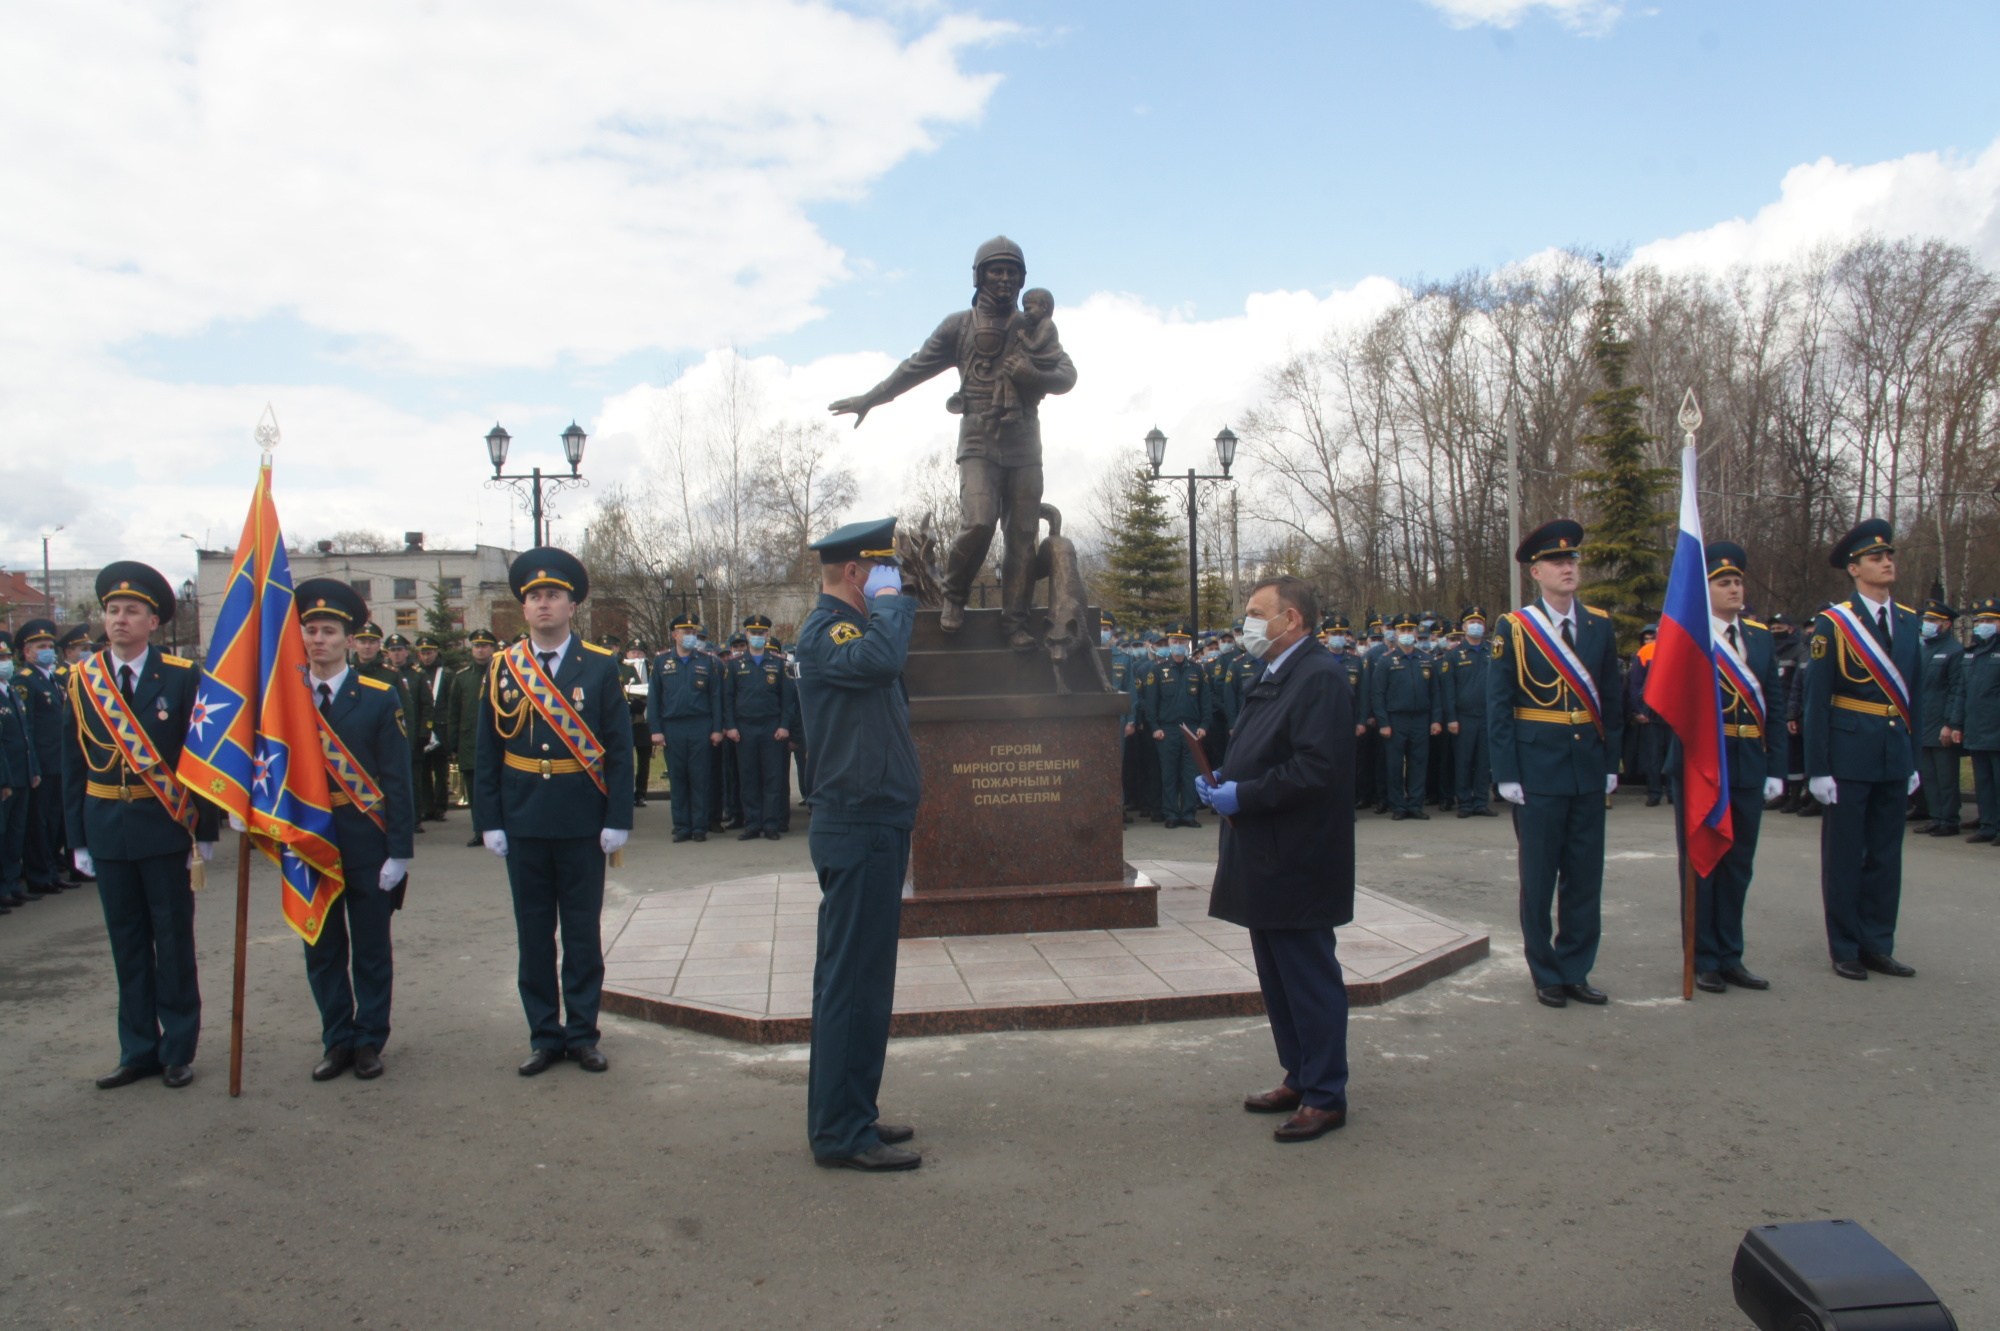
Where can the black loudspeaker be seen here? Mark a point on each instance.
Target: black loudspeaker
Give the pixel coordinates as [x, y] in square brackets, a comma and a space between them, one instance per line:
[1831, 1275]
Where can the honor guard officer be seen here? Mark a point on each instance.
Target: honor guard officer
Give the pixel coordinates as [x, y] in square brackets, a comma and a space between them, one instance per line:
[1864, 693]
[684, 712]
[1746, 669]
[351, 967]
[1554, 716]
[865, 787]
[1791, 652]
[759, 708]
[434, 774]
[633, 670]
[1176, 694]
[1465, 700]
[1981, 676]
[552, 794]
[468, 687]
[1942, 724]
[37, 680]
[370, 661]
[135, 826]
[1408, 711]
[20, 777]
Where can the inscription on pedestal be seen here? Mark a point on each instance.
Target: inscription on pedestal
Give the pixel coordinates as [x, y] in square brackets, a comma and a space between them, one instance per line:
[1016, 774]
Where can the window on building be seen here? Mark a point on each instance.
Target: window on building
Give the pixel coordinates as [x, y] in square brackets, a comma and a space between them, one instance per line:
[406, 589]
[454, 586]
[406, 619]
[363, 588]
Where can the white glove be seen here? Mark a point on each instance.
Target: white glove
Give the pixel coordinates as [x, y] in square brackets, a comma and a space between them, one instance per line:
[81, 859]
[237, 824]
[432, 745]
[1916, 779]
[1774, 787]
[1511, 792]
[1610, 783]
[1824, 789]
[612, 838]
[496, 842]
[205, 849]
[393, 872]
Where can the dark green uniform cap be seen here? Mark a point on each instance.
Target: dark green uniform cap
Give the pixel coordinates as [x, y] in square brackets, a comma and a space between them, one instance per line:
[482, 635]
[370, 630]
[872, 539]
[139, 582]
[757, 622]
[35, 630]
[1561, 539]
[77, 633]
[546, 566]
[330, 598]
[1726, 559]
[1867, 538]
[396, 640]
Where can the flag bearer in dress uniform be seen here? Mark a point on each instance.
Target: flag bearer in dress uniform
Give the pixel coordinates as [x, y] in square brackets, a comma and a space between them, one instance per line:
[865, 787]
[1942, 724]
[351, 968]
[1466, 668]
[552, 794]
[1864, 693]
[1981, 684]
[759, 708]
[434, 768]
[134, 825]
[468, 686]
[1176, 692]
[1408, 711]
[20, 777]
[684, 710]
[1553, 714]
[1753, 744]
[41, 692]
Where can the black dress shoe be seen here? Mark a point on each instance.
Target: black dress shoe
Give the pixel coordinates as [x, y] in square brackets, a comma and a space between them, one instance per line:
[539, 1061]
[773, 835]
[894, 1134]
[1944, 829]
[1850, 970]
[877, 1159]
[1551, 995]
[1710, 982]
[1887, 965]
[1465, 813]
[680, 837]
[1583, 993]
[1487, 813]
[124, 1076]
[1928, 829]
[590, 1058]
[1190, 822]
[477, 840]
[337, 1061]
[367, 1062]
[1979, 838]
[700, 836]
[1743, 979]
[1421, 814]
[178, 1076]
[1652, 801]
[750, 836]
[1398, 816]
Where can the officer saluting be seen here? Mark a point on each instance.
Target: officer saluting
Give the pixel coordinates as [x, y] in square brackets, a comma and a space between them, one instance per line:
[1554, 717]
[864, 783]
[758, 704]
[684, 709]
[552, 794]
[133, 824]
[1864, 692]
[351, 968]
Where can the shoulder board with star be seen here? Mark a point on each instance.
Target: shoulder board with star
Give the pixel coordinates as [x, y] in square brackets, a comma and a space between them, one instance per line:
[1598, 611]
[181, 661]
[601, 651]
[370, 682]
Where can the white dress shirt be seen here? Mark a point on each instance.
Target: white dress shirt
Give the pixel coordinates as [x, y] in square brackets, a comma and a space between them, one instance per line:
[332, 686]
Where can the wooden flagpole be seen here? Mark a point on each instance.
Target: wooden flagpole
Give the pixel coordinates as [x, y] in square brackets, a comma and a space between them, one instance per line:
[242, 948]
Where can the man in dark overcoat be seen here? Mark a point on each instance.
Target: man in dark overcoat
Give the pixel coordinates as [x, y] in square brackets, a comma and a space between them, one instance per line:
[1286, 871]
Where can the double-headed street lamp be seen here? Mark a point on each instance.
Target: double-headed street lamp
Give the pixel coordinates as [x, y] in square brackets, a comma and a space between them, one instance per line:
[700, 586]
[532, 485]
[1225, 452]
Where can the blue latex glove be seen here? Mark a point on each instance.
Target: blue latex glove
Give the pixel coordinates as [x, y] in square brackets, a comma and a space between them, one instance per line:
[1220, 798]
[883, 578]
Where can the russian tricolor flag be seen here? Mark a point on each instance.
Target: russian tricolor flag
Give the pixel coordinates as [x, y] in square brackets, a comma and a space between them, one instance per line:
[1683, 689]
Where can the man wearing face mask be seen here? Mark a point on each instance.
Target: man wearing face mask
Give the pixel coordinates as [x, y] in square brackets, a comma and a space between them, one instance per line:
[1980, 675]
[20, 777]
[1340, 644]
[684, 710]
[757, 707]
[1465, 704]
[1176, 694]
[41, 694]
[1943, 722]
[1409, 712]
[1285, 870]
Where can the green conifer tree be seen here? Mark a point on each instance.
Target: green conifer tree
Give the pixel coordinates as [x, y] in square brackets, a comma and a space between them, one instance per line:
[1626, 540]
[440, 624]
[1147, 581]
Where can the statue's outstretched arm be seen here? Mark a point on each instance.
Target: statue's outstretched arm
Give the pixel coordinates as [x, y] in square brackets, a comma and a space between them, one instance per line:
[938, 354]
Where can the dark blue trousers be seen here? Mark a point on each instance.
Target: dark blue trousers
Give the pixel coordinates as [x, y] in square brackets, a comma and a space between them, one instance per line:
[861, 867]
[690, 773]
[149, 914]
[1940, 793]
[763, 774]
[1473, 757]
[1177, 800]
[354, 1007]
[1306, 999]
[559, 882]
[1409, 748]
[1861, 867]
[1719, 898]
[1986, 787]
[42, 856]
[13, 840]
[1561, 856]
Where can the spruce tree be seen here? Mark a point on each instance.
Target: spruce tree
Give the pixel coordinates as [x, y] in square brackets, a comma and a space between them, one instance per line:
[1147, 581]
[438, 620]
[1626, 542]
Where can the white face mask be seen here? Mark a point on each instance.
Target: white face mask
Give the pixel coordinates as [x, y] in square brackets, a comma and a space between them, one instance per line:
[1104, 637]
[1256, 637]
[7, 669]
[687, 642]
[1931, 628]
[1985, 630]
[1475, 630]
[1337, 641]
[1406, 639]
[757, 642]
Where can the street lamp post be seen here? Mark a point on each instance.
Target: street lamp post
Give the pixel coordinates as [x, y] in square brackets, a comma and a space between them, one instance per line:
[48, 592]
[700, 587]
[1225, 452]
[534, 488]
[190, 598]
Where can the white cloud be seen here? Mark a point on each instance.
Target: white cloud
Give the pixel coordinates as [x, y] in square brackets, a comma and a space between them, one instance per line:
[1924, 194]
[1584, 15]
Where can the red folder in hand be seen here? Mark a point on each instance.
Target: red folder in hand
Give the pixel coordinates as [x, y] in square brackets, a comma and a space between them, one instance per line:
[1201, 763]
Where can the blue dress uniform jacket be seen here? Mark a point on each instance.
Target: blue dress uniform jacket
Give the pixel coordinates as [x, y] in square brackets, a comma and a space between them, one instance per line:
[1944, 709]
[684, 704]
[1561, 765]
[19, 767]
[351, 968]
[1175, 693]
[1407, 699]
[758, 701]
[141, 860]
[1854, 735]
[44, 697]
[1465, 687]
[1980, 681]
[862, 765]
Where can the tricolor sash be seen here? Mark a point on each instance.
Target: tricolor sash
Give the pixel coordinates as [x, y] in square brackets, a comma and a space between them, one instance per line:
[1861, 642]
[93, 681]
[1535, 622]
[1737, 671]
[348, 776]
[555, 709]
